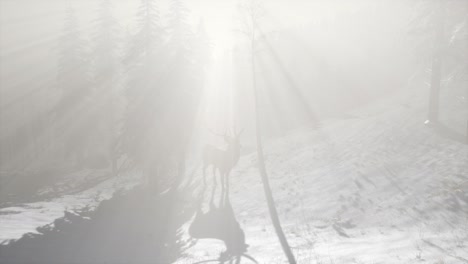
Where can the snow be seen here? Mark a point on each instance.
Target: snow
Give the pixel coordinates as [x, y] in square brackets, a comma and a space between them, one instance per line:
[22, 219]
[378, 188]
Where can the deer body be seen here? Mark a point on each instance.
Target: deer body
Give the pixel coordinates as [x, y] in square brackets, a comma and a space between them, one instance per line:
[222, 161]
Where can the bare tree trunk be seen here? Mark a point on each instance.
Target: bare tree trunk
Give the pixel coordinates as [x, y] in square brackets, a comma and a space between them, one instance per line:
[263, 173]
[113, 158]
[436, 73]
[113, 143]
[467, 132]
[466, 64]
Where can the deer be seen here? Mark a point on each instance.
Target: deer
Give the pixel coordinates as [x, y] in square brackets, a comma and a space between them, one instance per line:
[222, 160]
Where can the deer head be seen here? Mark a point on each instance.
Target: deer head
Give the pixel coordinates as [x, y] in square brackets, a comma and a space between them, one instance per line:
[233, 140]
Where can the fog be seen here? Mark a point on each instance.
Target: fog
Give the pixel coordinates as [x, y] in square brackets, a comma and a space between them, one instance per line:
[276, 131]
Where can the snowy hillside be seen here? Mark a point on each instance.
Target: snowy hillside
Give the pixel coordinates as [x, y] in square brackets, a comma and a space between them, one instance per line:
[374, 188]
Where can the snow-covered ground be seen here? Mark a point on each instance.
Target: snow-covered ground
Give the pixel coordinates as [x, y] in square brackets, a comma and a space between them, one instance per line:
[376, 187]
[379, 187]
[76, 192]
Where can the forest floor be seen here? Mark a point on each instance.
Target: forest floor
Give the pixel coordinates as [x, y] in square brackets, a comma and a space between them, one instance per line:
[376, 187]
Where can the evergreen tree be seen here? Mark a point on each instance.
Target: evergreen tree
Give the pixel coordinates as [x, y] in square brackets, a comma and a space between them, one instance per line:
[144, 62]
[74, 88]
[180, 34]
[202, 49]
[458, 48]
[185, 75]
[149, 35]
[436, 22]
[162, 93]
[106, 72]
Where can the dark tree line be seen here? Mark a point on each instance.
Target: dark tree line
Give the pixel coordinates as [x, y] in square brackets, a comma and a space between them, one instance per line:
[444, 25]
[166, 71]
[119, 101]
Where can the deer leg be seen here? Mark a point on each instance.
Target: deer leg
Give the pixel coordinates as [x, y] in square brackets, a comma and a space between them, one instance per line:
[227, 186]
[204, 181]
[204, 175]
[223, 179]
[214, 187]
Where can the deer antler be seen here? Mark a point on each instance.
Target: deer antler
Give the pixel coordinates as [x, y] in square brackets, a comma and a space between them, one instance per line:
[240, 132]
[227, 134]
[217, 134]
[236, 134]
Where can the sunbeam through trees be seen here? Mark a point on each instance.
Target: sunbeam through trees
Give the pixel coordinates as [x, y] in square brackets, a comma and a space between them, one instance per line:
[234, 131]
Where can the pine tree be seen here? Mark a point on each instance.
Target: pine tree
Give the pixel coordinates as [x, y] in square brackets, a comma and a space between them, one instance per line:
[436, 22]
[144, 91]
[106, 72]
[184, 81]
[149, 34]
[180, 33]
[74, 88]
[202, 48]
[458, 47]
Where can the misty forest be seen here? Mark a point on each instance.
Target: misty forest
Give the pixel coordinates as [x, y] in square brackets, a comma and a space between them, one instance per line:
[233, 131]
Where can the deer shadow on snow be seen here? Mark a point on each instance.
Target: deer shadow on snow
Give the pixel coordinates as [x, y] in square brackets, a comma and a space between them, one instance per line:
[220, 223]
